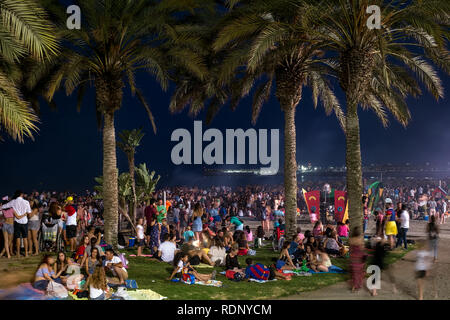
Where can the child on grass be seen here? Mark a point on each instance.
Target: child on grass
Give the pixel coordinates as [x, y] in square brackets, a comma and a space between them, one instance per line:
[184, 270]
[140, 236]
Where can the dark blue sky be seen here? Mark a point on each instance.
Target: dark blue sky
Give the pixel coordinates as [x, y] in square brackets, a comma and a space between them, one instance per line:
[67, 151]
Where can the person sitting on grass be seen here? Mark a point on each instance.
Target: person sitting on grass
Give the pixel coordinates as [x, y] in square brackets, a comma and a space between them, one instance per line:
[343, 229]
[258, 271]
[333, 246]
[98, 284]
[79, 255]
[45, 274]
[140, 236]
[323, 260]
[311, 260]
[92, 262]
[217, 252]
[184, 270]
[284, 261]
[93, 234]
[196, 255]
[61, 264]
[113, 266]
[243, 244]
[231, 260]
[167, 249]
[312, 242]
[88, 251]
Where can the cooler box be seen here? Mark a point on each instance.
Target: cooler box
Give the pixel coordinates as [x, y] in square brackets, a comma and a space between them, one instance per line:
[131, 241]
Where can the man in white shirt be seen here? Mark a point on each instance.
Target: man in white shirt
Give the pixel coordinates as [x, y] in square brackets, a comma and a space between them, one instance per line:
[114, 265]
[404, 226]
[21, 208]
[167, 249]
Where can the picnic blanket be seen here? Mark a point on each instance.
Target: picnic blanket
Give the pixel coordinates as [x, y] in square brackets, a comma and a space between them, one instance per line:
[24, 291]
[332, 269]
[145, 294]
[261, 281]
[209, 283]
[74, 296]
[129, 284]
[297, 272]
[203, 265]
[144, 255]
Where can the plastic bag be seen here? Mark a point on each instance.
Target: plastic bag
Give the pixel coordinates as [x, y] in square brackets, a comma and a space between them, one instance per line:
[56, 290]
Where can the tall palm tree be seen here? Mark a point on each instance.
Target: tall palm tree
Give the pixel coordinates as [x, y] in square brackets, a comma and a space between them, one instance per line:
[379, 68]
[265, 37]
[117, 39]
[129, 141]
[24, 33]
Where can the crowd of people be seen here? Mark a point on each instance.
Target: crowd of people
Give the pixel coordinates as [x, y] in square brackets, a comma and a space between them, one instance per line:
[196, 226]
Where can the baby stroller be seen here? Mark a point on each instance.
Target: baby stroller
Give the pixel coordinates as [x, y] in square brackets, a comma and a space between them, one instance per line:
[49, 238]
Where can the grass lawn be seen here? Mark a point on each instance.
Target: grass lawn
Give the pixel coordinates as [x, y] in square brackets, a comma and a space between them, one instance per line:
[152, 275]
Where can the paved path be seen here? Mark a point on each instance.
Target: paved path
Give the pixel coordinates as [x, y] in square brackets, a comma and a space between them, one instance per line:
[403, 271]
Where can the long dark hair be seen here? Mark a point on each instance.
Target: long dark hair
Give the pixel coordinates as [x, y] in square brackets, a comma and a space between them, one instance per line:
[180, 255]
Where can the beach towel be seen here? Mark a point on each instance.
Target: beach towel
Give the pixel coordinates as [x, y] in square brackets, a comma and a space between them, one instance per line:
[332, 269]
[74, 296]
[297, 272]
[24, 291]
[203, 265]
[131, 284]
[144, 255]
[209, 283]
[261, 281]
[146, 294]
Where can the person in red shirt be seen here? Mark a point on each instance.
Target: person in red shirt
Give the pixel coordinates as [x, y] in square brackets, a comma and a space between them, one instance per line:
[81, 249]
[71, 223]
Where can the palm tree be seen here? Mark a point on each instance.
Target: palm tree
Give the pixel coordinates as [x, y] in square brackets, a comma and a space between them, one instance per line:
[375, 67]
[265, 37]
[119, 38]
[145, 186]
[130, 140]
[24, 33]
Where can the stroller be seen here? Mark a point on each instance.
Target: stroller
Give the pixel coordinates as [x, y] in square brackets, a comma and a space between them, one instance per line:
[49, 237]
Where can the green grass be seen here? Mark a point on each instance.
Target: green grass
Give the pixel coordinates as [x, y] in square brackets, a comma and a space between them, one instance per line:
[145, 271]
[153, 274]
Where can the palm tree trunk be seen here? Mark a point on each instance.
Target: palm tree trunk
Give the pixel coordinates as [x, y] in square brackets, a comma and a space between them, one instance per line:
[354, 170]
[133, 188]
[290, 171]
[110, 184]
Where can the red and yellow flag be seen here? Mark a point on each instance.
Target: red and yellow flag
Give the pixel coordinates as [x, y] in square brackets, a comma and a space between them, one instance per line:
[340, 205]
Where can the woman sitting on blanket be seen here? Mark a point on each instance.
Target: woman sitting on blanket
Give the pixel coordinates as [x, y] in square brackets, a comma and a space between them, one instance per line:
[284, 261]
[312, 262]
[323, 260]
[243, 244]
[45, 274]
[97, 284]
[184, 270]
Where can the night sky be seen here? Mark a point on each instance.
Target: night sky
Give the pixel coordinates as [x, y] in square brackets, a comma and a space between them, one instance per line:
[67, 151]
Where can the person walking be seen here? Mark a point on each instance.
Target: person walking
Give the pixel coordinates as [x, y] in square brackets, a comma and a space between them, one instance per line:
[433, 236]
